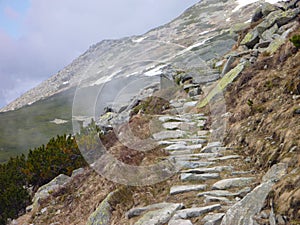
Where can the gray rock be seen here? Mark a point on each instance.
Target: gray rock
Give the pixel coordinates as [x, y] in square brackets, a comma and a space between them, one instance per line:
[172, 142]
[243, 211]
[185, 152]
[228, 157]
[267, 8]
[77, 172]
[223, 193]
[195, 91]
[180, 222]
[186, 188]
[262, 44]
[275, 173]
[159, 217]
[192, 165]
[138, 211]
[172, 125]
[169, 134]
[190, 86]
[195, 212]
[267, 35]
[232, 182]
[190, 104]
[212, 147]
[176, 104]
[213, 219]
[228, 65]
[286, 27]
[216, 169]
[45, 191]
[177, 147]
[102, 214]
[251, 38]
[199, 177]
[172, 118]
[208, 199]
[29, 208]
[287, 16]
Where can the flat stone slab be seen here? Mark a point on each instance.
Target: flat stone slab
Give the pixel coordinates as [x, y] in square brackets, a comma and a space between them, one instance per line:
[190, 104]
[183, 147]
[224, 193]
[199, 177]
[190, 140]
[216, 169]
[208, 199]
[178, 125]
[181, 152]
[180, 222]
[195, 212]
[192, 165]
[213, 219]
[233, 182]
[139, 210]
[213, 147]
[172, 118]
[186, 188]
[159, 217]
[168, 134]
[172, 142]
[228, 157]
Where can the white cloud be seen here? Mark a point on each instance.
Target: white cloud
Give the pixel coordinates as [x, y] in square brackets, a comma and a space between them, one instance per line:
[55, 32]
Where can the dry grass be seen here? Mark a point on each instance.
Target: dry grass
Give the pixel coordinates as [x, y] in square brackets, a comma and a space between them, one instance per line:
[267, 129]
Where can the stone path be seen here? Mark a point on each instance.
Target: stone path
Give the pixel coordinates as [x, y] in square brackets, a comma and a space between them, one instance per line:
[211, 181]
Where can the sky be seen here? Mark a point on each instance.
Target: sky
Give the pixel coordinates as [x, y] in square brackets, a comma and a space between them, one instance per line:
[40, 37]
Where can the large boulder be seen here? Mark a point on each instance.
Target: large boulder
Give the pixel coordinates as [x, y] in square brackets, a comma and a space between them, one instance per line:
[251, 38]
[46, 190]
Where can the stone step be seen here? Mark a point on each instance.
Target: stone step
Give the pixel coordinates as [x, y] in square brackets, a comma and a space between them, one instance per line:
[187, 141]
[209, 199]
[216, 169]
[193, 165]
[159, 217]
[178, 125]
[223, 158]
[185, 152]
[172, 142]
[180, 222]
[224, 193]
[186, 188]
[213, 219]
[139, 210]
[173, 119]
[168, 134]
[194, 212]
[199, 177]
[232, 182]
[175, 147]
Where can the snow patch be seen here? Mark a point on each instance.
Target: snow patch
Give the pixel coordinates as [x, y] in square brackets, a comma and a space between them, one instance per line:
[155, 71]
[139, 39]
[132, 74]
[242, 3]
[59, 121]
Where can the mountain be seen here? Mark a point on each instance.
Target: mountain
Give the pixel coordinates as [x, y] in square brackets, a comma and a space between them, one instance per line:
[189, 132]
[207, 29]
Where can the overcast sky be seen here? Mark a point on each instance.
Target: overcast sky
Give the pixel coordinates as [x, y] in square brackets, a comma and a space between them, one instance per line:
[40, 37]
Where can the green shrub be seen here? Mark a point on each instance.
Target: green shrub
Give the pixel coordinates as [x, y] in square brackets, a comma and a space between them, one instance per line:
[296, 40]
